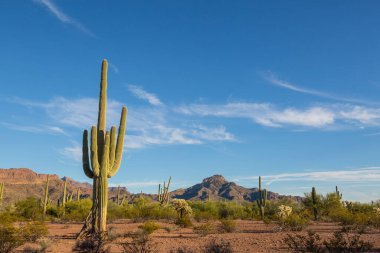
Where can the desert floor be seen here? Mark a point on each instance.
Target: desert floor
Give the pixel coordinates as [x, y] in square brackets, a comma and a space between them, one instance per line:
[250, 236]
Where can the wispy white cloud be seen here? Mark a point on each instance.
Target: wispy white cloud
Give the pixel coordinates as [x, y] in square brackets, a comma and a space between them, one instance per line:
[113, 67]
[34, 129]
[73, 152]
[271, 78]
[144, 95]
[322, 116]
[63, 17]
[361, 175]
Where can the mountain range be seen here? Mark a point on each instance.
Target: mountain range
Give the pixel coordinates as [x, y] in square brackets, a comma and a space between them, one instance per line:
[21, 183]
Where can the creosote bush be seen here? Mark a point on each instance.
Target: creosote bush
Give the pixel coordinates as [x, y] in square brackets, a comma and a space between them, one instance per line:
[227, 226]
[149, 227]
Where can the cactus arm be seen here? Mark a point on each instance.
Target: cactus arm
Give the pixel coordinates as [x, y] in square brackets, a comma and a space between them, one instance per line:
[85, 159]
[112, 146]
[120, 143]
[94, 151]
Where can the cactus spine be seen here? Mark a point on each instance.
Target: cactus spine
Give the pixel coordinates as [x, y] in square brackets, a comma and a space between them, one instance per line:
[106, 155]
[46, 199]
[1, 192]
[262, 200]
[163, 193]
[314, 200]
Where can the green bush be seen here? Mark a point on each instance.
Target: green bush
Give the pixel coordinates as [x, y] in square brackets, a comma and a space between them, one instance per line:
[10, 238]
[294, 222]
[29, 208]
[32, 231]
[227, 226]
[149, 227]
[77, 210]
[204, 229]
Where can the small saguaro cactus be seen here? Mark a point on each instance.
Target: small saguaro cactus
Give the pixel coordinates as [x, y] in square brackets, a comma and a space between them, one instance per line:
[78, 194]
[338, 194]
[64, 198]
[2, 186]
[46, 197]
[163, 193]
[262, 200]
[104, 161]
[315, 202]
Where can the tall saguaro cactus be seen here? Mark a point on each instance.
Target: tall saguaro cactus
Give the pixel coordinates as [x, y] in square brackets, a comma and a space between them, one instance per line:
[163, 193]
[337, 193]
[64, 198]
[262, 200]
[46, 197]
[2, 186]
[315, 202]
[106, 155]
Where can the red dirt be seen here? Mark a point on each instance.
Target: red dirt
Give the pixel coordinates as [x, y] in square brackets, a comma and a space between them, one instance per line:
[250, 236]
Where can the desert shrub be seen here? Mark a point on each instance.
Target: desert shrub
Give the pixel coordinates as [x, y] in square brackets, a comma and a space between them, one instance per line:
[91, 245]
[218, 247]
[77, 210]
[149, 227]
[33, 231]
[140, 244]
[185, 222]
[294, 222]
[10, 238]
[300, 243]
[204, 229]
[227, 226]
[29, 208]
[341, 242]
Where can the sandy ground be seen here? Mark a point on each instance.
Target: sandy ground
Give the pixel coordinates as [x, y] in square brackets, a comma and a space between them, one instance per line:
[250, 236]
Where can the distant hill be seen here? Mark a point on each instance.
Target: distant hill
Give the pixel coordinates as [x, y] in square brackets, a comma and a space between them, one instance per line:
[218, 188]
[22, 183]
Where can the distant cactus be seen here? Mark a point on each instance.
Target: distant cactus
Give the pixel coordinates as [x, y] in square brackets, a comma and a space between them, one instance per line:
[78, 194]
[64, 198]
[181, 207]
[262, 200]
[314, 199]
[2, 186]
[46, 198]
[337, 193]
[163, 193]
[106, 155]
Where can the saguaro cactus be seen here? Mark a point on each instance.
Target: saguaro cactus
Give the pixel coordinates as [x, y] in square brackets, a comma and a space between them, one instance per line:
[78, 194]
[106, 155]
[338, 194]
[262, 200]
[2, 186]
[315, 202]
[163, 193]
[64, 198]
[46, 198]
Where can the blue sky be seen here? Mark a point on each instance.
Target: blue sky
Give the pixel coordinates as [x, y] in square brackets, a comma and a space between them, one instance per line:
[288, 90]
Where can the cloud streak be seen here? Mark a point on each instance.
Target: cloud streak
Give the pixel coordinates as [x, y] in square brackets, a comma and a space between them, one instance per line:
[286, 85]
[361, 175]
[266, 114]
[140, 93]
[63, 17]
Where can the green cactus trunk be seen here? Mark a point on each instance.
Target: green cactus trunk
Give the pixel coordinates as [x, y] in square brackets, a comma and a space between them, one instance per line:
[46, 199]
[106, 155]
[163, 193]
[314, 199]
[2, 186]
[337, 193]
[64, 199]
[78, 194]
[262, 200]
[118, 195]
